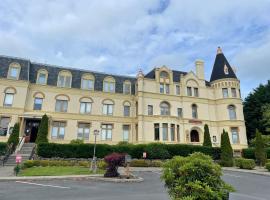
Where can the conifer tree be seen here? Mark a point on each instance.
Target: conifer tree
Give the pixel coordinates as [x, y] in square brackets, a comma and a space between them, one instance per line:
[206, 137]
[260, 153]
[226, 150]
[14, 137]
[42, 135]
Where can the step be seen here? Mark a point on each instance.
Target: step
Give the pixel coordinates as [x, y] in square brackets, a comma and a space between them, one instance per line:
[29, 144]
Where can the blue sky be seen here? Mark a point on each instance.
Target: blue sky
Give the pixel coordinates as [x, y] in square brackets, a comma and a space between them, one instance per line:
[122, 36]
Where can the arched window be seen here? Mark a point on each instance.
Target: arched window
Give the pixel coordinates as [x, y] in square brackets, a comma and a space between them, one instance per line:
[14, 71]
[232, 112]
[42, 77]
[109, 84]
[85, 105]
[108, 107]
[126, 105]
[164, 108]
[164, 74]
[64, 79]
[194, 111]
[9, 96]
[38, 100]
[61, 104]
[194, 136]
[87, 82]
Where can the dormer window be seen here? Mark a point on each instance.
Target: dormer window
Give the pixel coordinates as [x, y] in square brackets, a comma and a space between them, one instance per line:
[87, 82]
[14, 71]
[109, 84]
[127, 87]
[164, 75]
[64, 79]
[42, 77]
[226, 69]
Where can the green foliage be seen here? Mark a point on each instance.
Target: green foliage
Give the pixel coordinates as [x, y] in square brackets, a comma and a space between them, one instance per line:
[3, 147]
[42, 135]
[265, 138]
[266, 117]
[253, 105]
[260, 153]
[49, 150]
[76, 141]
[250, 153]
[206, 137]
[194, 177]
[267, 166]
[243, 163]
[226, 150]
[14, 137]
[139, 163]
[102, 165]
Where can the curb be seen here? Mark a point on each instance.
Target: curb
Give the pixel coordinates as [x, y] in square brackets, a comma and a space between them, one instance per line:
[246, 171]
[74, 177]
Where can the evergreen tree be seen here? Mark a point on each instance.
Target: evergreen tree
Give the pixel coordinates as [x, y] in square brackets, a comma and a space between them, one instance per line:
[260, 153]
[226, 150]
[14, 137]
[206, 137]
[42, 135]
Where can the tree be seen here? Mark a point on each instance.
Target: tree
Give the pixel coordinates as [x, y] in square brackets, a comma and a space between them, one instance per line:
[226, 150]
[253, 105]
[206, 137]
[260, 153]
[42, 135]
[14, 137]
[266, 117]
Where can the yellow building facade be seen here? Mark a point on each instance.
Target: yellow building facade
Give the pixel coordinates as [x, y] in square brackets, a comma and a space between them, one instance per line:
[163, 105]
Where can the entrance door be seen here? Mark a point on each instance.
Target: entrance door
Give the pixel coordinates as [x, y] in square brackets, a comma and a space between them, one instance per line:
[31, 129]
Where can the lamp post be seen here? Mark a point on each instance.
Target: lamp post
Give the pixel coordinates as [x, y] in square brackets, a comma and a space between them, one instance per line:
[94, 160]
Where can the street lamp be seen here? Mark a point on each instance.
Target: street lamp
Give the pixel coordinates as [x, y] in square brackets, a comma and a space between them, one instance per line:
[94, 160]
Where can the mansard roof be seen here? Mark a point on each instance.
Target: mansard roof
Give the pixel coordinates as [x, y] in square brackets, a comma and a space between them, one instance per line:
[176, 75]
[222, 68]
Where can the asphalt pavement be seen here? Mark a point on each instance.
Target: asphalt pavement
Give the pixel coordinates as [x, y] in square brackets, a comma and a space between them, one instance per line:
[249, 187]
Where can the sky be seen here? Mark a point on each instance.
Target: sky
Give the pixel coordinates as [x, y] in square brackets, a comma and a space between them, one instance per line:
[123, 36]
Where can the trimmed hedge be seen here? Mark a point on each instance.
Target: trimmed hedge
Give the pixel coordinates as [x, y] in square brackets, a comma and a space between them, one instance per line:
[49, 150]
[249, 153]
[3, 147]
[243, 163]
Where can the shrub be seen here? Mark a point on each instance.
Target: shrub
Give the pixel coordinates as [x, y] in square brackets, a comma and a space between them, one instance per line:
[250, 153]
[14, 137]
[45, 163]
[3, 147]
[157, 151]
[267, 166]
[226, 150]
[102, 165]
[76, 141]
[260, 153]
[206, 137]
[113, 160]
[156, 163]
[243, 163]
[42, 135]
[139, 163]
[194, 177]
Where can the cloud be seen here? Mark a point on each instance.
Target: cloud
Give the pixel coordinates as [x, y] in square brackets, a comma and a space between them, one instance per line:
[121, 36]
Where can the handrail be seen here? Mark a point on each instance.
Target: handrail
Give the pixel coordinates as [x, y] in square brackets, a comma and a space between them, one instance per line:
[7, 154]
[19, 146]
[33, 152]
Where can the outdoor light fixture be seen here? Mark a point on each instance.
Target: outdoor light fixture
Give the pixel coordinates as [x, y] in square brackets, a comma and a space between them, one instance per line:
[94, 160]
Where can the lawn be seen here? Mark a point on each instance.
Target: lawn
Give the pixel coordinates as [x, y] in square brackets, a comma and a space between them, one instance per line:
[56, 171]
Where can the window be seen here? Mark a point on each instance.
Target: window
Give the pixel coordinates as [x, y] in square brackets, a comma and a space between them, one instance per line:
[235, 135]
[83, 131]
[38, 103]
[125, 132]
[189, 91]
[163, 74]
[108, 109]
[61, 105]
[196, 92]
[87, 84]
[58, 130]
[232, 112]
[14, 71]
[172, 132]
[165, 131]
[194, 111]
[177, 89]
[156, 130]
[167, 87]
[179, 112]
[4, 122]
[164, 108]
[150, 110]
[127, 88]
[106, 132]
[194, 136]
[42, 77]
[109, 84]
[214, 139]
[8, 101]
[234, 95]
[178, 133]
[161, 88]
[164, 88]
[64, 79]
[225, 92]
[126, 111]
[85, 107]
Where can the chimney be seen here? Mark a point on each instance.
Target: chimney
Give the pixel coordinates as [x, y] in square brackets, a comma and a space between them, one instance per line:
[200, 69]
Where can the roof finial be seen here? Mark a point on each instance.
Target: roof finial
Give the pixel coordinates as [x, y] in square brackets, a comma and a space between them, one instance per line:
[219, 50]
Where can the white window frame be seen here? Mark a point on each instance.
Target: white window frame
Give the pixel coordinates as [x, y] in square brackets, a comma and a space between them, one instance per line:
[106, 132]
[58, 127]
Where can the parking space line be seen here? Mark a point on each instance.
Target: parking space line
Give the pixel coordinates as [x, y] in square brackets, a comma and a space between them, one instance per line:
[43, 185]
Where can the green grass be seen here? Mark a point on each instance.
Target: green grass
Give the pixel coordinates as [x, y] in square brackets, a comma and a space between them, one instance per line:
[56, 171]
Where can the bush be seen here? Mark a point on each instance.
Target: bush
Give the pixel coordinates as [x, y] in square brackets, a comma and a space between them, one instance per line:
[45, 163]
[156, 163]
[42, 135]
[206, 137]
[139, 163]
[113, 160]
[260, 153]
[267, 166]
[14, 137]
[243, 163]
[3, 147]
[102, 165]
[77, 141]
[249, 153]
[157, 151]
[194, 177]
[226, 150]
